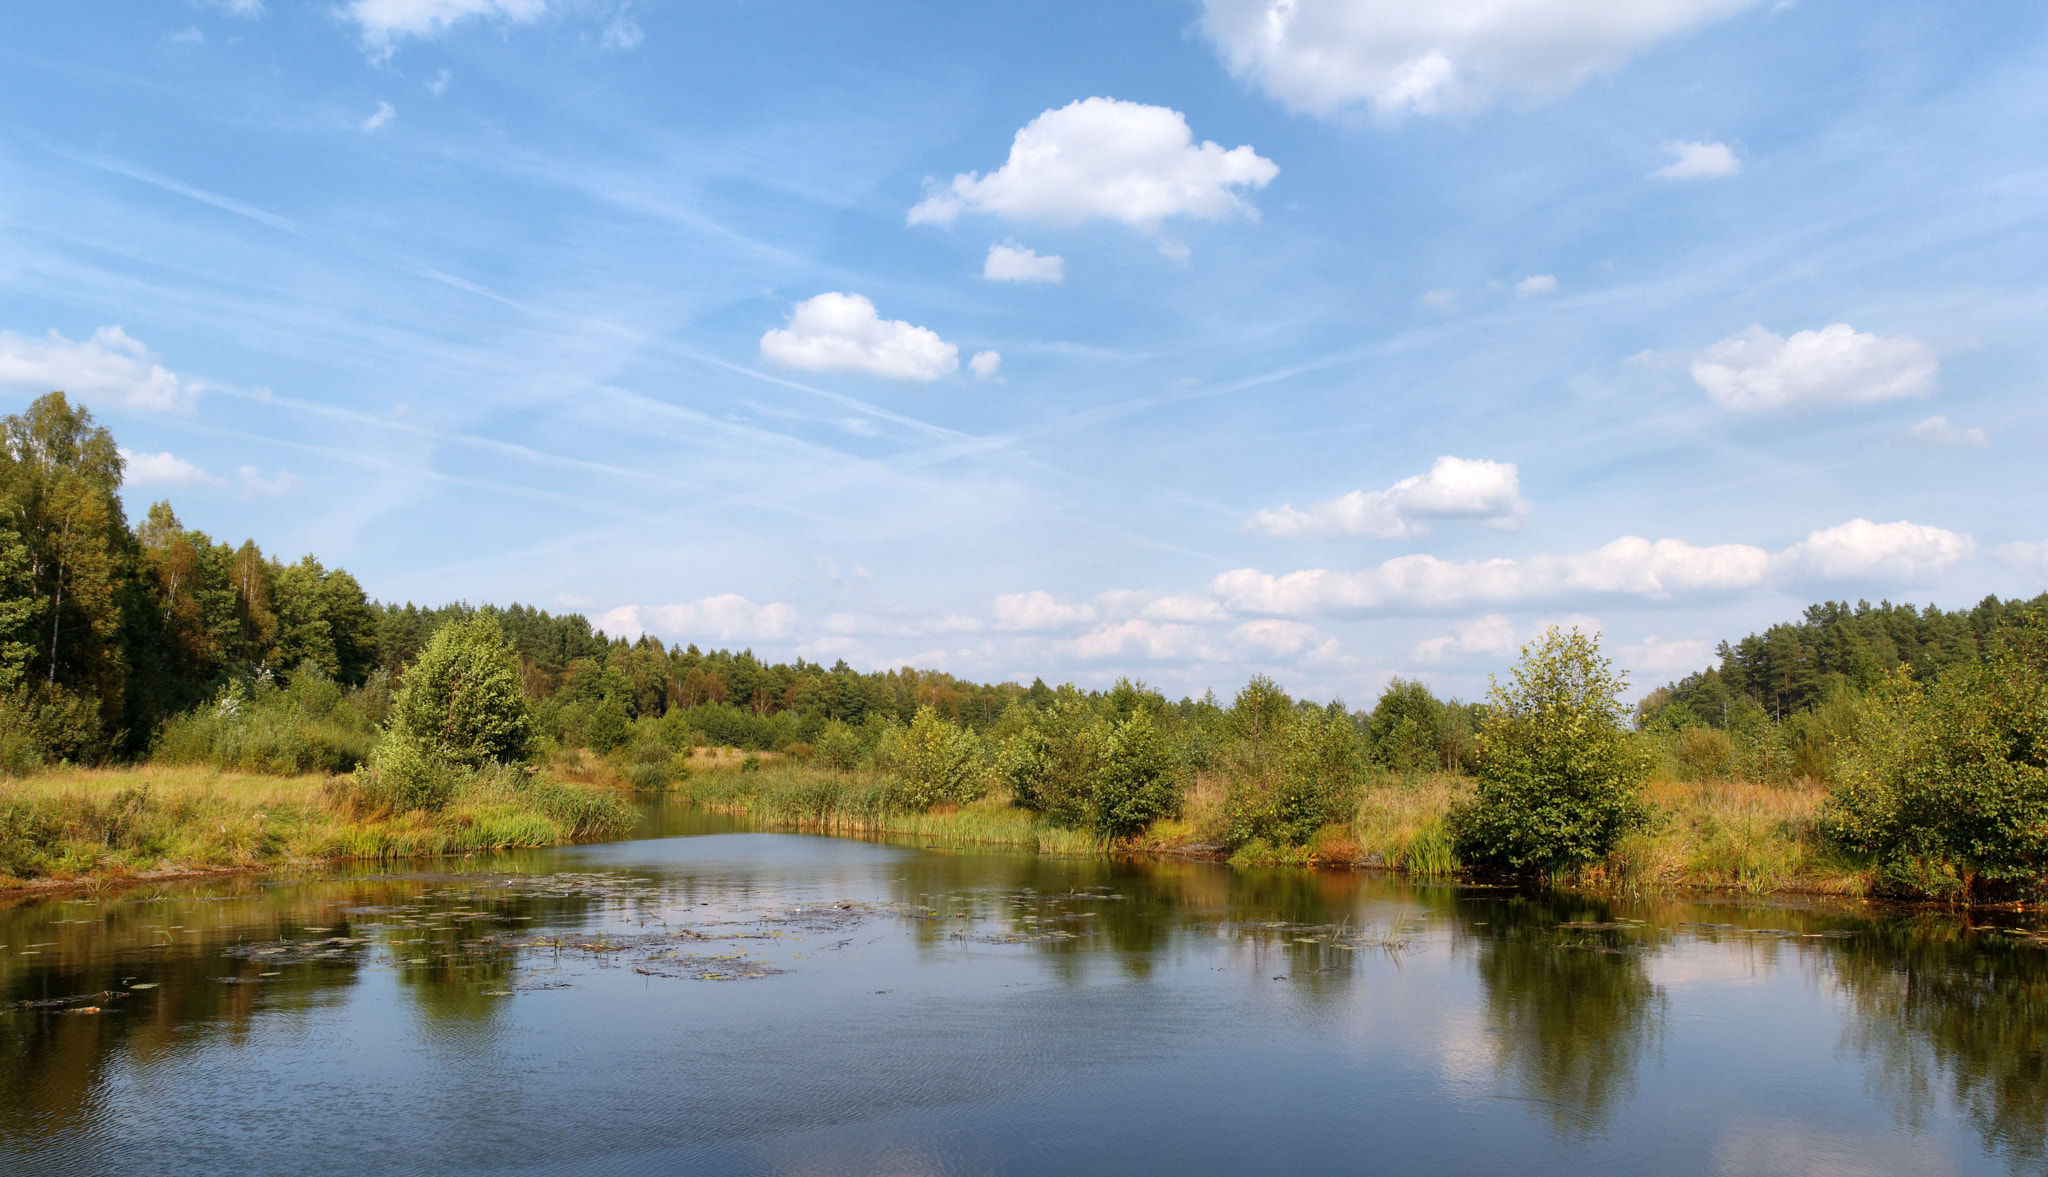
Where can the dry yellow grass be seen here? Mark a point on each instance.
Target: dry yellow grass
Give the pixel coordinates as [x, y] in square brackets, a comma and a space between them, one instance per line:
[103, 824]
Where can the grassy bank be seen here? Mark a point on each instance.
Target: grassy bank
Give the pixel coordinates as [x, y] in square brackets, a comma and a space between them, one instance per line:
[108, 824]
[1714, 835]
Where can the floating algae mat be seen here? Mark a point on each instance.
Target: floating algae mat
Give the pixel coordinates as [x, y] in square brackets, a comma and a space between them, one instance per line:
[725, 1001]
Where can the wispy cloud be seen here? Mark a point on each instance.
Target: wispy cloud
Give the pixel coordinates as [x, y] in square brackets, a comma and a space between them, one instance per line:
[1698, 161]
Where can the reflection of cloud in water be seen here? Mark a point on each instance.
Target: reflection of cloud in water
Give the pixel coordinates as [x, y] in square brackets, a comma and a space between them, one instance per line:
[1714, 964]
[1788, 1148]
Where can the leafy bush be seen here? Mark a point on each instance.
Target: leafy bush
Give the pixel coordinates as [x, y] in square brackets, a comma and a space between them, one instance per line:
[839, 747]
[935, 763]
[1136, 780]
[312, 725]
[461, 701]
[1560, 774]
[1302, 773]
[1947, 786]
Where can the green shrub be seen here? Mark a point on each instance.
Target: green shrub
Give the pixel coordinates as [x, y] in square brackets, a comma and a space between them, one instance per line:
[1302, 773]
[1560, 775]
[461, 700]
[839, 748]
[1947, 786]
[934, 762]
[1136, 779]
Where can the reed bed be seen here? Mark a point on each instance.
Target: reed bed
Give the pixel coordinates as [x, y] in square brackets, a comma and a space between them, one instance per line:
[100, 824]
[1720, 835]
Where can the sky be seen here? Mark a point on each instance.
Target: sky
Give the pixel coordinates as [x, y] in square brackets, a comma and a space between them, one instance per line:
[1186, 340]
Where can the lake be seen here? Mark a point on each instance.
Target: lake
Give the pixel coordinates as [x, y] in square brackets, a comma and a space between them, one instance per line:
[708, 999]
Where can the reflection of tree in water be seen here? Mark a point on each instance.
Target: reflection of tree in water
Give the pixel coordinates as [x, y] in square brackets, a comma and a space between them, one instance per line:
[1569, 1021]
[1945, 1009]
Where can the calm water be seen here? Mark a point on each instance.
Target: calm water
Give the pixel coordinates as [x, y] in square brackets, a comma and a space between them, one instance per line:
[706, 1000]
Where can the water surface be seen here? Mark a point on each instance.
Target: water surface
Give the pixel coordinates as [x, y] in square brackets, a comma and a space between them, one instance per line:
[706, 999]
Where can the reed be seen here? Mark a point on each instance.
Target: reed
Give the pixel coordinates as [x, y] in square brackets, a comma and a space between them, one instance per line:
[100, 824]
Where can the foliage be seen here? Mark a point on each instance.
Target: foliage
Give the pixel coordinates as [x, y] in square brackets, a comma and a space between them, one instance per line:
[311, 725]
[1136, 780]
[935, 762]
[461, 701]
[1560, 776]
[1292, 769]
[1946, 786]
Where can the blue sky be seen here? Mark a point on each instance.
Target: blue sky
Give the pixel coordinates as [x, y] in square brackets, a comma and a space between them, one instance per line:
[1333, 340]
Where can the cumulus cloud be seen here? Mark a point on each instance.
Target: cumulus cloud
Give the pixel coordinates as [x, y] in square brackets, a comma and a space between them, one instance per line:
[1758, 369]
[1630, 565]
[1536, 286]
[383, 23]
[1037, 610]
[726, 617]
[384, 113]
[1274, 638]
[1102, 158]
[255, 485]
[843, 333]
[1491, 634]
[162, 469]
[985, 364]
[2029, 558]
[1939, 430]
[110, 364]
[1477, 491]
[1860, 548]
[1140, 638]
[1698, 161]
[1658, 657]
[1398, 57]
[1012, 263]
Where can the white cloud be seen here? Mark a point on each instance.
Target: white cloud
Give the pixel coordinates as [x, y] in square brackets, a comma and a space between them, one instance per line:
[985, 364]
[246, 9]
[1491, 634]
[622, 33]
[1037, 610]
[843, 333]
[1098, 157]
[1443, 300]
[1280, 639]
[2028, 558]
[162, 470]
[1140, 638]
[1656, 657]
[1860, 548]
[1536, 286]
[1630, 565]
[110, 364]
[188, 37]
[724, 618]
[257, 486]
[1477, 491]
[1757, 369]
[1011, 263]
[1698, 161]
[383, 23]
[1938, 430]
[1399, 57]
[384, 113]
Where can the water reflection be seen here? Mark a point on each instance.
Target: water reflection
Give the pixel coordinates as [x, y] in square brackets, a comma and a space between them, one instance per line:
[1957, 1016]
[869, 983]
[1571, 1011]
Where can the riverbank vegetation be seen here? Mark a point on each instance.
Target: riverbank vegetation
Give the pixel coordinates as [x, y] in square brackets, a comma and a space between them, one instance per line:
[1863, 749]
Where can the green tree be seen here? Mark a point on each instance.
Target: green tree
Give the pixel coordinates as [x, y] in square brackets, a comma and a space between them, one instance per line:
[935, 762]
[1947, 786]
[460, 701]
[1560, 775]
[1136, 779]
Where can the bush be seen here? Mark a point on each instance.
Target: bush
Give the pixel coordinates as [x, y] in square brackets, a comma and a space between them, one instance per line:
[1136, 779]
[461, 700]
[312, 725]
[1947, 786]
[935, 762]
[839, 747]
[1560, 774]
[1301, 775]
[1049, 762]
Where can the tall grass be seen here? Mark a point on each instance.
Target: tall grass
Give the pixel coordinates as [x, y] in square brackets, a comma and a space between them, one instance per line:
[101, 824]
[869, 804]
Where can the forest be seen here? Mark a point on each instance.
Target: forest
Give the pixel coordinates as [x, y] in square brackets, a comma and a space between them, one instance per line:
[154, 643]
